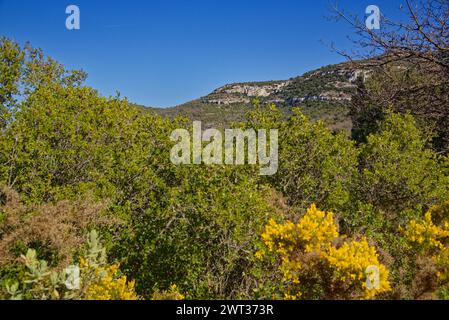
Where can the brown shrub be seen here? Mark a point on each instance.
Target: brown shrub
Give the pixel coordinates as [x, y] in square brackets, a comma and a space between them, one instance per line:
[57, 229]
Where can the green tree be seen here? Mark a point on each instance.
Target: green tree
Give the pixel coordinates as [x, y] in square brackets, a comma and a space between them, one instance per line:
[11, 61]
[399, 170]
[316, 165]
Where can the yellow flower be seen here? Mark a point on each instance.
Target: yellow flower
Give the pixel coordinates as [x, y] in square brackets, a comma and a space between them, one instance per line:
[430, 238]
[171, 294]
[315, 233]
[110, 287]
[351, 262]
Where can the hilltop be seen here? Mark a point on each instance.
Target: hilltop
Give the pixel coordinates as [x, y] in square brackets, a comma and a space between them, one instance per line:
[323, 94]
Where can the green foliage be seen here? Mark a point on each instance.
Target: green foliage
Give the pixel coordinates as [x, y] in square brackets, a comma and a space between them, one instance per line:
[399, 171]
[198, 236]
[24, 70]
[39, 282]
[11, 59]
[400, 178]
[316, 166]
[190, 229]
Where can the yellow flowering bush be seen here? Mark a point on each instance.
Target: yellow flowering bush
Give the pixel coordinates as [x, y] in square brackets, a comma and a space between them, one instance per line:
[351, 261]
[442, 262]
[425, 234]
[315, 230]
[431, 236]
[308, 256]
[110, 286]
[171, 294]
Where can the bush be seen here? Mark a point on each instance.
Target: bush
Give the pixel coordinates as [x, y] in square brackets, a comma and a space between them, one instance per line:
[198, 236]
[429, 237]
[313, 263]
[98, 281]
[55, 231]
[316, 166]
[399, 171]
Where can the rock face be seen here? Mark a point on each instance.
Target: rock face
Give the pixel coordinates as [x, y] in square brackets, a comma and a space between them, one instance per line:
[254, 90]
[244, 92]
[332, 83]
[227, 100]
[322, 94]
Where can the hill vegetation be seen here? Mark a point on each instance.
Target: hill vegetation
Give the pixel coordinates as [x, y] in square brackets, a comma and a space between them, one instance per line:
[323, 94]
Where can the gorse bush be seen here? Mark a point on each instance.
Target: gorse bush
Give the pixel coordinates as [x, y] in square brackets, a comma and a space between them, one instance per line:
[171, 294]
[312, 264]
[429, 238]
[72, 161]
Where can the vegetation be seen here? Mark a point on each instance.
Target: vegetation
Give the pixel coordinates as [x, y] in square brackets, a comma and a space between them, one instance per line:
[313, 267]
[323, 94]
[87, 185]
[409, 65]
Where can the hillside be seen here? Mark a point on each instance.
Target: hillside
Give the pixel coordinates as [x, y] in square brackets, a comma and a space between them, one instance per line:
[323, 94]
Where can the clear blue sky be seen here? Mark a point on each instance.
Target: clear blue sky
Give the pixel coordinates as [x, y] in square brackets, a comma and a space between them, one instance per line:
[166, 52]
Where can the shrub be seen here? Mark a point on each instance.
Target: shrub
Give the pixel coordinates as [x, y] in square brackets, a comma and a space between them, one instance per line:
[316, 165]
[314, 263]
[98, 280]
[56, 231]
[171, 294]
[198, 236]
[400, 172]
[429, 237]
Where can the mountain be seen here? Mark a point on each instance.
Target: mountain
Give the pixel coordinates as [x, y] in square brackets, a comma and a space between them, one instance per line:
[323, 94]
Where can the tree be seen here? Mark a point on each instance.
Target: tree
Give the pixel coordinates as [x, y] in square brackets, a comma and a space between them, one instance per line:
[11, 62]
[410, 63]
[316, 165]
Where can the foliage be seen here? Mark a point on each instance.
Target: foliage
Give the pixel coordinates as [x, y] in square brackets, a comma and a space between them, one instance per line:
[400, 177]
[316, 165]
[72, 161]
[98, 281]
[307, 255]
[198, 237]
[430, 236]
[171, 294]
[399, 170]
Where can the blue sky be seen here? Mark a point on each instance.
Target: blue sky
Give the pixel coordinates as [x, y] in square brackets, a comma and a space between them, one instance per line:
[166, 52]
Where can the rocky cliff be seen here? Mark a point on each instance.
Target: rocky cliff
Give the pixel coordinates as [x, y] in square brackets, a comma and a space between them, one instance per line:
[322, 94]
